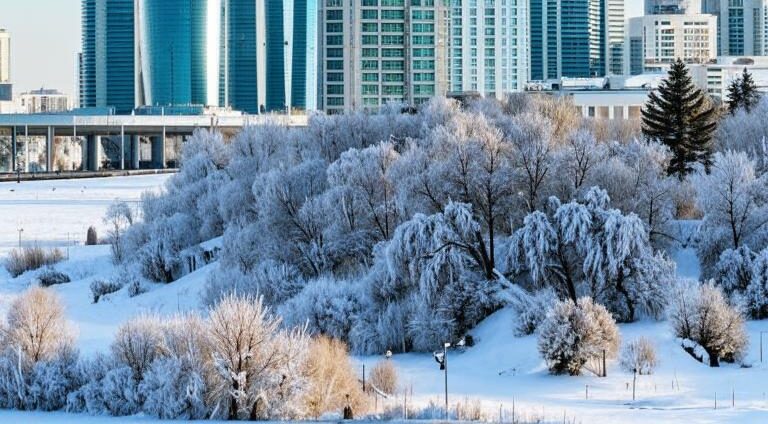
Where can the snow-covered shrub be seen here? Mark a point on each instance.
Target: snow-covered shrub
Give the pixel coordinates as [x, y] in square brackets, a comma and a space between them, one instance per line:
[574, 334]
[733, 271]
[91, 237]
[755, 296]
[384, 377]
[26, 259]
[137, 343]
[178, 381]
[119, 392]
[50, 277]
[326, 306]
[639, 356]
[258, 366]
[100, 288]
[174, 389]
[89, 396]
[701, 314]
[159, 259]
[333, 382]
[531, 309]
[51, 381]
[36, 327]
[274, 281]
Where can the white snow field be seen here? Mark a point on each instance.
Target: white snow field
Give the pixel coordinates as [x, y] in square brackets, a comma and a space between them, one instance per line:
[54, 211]
[501, 370]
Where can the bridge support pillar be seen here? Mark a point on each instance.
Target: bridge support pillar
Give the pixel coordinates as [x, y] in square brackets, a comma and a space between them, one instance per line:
[92, 149]
[14, 149]
[49, 146]
[135, 145]
[158, 152]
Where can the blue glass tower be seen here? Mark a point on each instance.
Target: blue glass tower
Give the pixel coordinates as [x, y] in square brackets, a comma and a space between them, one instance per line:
[174, 52]
[268, 56]
[107, 73]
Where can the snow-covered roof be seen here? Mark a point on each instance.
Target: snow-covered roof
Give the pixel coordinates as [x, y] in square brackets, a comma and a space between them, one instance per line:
[649, 81]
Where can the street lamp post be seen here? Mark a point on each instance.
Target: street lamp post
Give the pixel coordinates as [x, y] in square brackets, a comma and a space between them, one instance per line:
[442, 359]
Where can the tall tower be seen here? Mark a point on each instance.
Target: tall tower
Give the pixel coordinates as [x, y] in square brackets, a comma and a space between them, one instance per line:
[107, 70]
[269, 55]
[742, 26]
[576, 38]
[179, 51]
[500, 66]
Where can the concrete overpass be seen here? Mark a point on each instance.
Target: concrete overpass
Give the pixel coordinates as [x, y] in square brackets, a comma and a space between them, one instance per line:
[125, 132]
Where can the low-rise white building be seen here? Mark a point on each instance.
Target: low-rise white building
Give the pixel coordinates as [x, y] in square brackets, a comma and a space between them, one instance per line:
[43, 101]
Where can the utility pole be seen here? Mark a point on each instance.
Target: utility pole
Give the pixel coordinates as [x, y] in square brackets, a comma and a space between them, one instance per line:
[21, 230]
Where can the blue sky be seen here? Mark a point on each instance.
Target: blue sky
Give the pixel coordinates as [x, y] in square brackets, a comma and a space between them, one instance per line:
[46, 37]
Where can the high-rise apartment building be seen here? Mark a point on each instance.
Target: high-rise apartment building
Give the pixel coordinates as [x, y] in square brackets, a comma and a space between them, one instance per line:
[488, 46]
[576, 38]
[5, 56]
[742, 26]
[378, 51]
[107, 68]
[655, 41]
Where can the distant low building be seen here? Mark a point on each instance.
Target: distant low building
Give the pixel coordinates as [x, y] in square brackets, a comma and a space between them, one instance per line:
[43, 101]
[714, 78]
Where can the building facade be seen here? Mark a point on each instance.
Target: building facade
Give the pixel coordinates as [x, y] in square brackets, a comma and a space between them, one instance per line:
[742, 26]
[576, 38]
[673, 7]
[269, 55]
[488, 46]
[43, 101]
[107, 67]
[377, 51]
[655, 41]
[178, 52]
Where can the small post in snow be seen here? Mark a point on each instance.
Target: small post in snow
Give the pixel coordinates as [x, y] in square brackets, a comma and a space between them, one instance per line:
[586, 391]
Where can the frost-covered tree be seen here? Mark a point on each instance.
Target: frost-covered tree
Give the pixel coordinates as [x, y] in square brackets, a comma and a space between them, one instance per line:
[35, 327]
[119, 216]
[638, 356]
[700, 314]
[258, 366]
[752, 134]
[429, 282]
[575, 333]
[137, 343]
[733, 199]
[587, 248]
[333, 382]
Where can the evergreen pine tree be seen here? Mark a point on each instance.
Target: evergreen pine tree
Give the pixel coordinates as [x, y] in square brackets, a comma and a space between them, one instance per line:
[679, 115]
[735, 99]
[748, 91]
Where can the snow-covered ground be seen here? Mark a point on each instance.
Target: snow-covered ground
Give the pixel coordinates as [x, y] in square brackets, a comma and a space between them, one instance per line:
[52, 212]
[499, 371]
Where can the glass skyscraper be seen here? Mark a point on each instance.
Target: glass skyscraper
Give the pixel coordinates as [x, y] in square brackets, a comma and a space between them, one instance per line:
[576, 38]
[107, 70]
[268, 55]
[176, 48]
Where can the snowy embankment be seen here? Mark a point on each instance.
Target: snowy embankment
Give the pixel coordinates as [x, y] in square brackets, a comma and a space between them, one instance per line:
[499, 372]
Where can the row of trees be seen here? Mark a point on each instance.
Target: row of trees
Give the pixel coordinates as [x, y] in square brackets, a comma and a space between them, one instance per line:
[237, 363]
